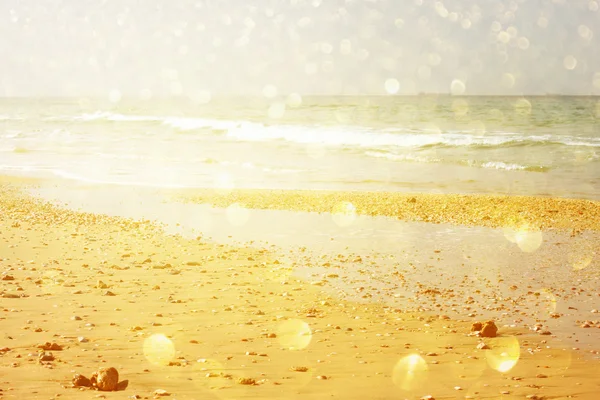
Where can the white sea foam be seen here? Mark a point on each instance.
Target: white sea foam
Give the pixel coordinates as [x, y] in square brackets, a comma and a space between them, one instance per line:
[340, 136]
[502, 165]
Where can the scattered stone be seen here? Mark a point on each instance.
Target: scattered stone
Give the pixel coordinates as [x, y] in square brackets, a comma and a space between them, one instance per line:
[46, 356]
[322, 377]
[8, 278]
[541, 376]
[300, 369]
[81, 381]
[193, 263]
[82, 339]
[476, 327]
[102, 285]
[50, 346]
[246, 381]
[161, 393]
[483, 346]
[105, 379]
[489, 330]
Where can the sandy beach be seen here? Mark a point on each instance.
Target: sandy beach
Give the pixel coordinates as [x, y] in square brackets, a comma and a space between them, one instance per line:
[190, 318]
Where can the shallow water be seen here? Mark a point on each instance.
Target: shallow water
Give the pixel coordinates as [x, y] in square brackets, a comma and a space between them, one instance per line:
[534, 145]
[515, 285]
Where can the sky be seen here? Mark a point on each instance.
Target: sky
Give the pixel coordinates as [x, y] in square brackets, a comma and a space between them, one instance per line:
[202, 48]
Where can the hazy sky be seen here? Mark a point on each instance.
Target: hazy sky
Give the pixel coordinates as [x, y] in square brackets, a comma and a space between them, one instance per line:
[191, 48]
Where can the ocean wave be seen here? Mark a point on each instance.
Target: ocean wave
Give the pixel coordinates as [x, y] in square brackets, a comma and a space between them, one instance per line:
[181, 123]
[500, 165]
[399, 138]
[343, 136]
[402, 157]
[512, 167]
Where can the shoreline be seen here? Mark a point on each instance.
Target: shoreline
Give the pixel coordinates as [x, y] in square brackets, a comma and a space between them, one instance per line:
[196, 318]
[527, 212]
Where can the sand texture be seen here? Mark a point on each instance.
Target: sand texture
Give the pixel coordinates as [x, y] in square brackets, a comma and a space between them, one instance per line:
[474, 210]
[180, 318]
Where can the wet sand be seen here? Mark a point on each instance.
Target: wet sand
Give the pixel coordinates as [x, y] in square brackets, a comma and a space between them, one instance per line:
[474, 210]
[199, 319]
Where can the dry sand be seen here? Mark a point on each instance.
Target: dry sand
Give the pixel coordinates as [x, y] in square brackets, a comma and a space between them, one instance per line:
[184, 319]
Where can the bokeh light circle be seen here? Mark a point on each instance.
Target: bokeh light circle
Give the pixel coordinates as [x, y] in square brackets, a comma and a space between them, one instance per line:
[410, 372]
[504, 353]
[294, 334]
[343, 213]
[159, 349]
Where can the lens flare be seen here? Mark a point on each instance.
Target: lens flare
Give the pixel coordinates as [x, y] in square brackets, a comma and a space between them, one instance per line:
[460, 107]
[276, 110]
[546, 301]
[570, 62]
[581, 254]
[523, 107]
[294, 100]
[410, 372]
[237, 214]
[159, 349]
[224, 184]
[457, 87]
[392, 86]
[527, 237]
[343, 213]
[504, 353]
[211, 374]
[294, 334]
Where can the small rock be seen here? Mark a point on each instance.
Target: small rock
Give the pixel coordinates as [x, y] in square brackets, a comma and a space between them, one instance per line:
[82, 339]
[161, 393]
[483, 346]
[102, 285]
[105, 379]
[541, 376]
[50, 346]
[476, 327]
[246, 381]
[46, 356]
[489, 330]
[300, 369]
[322, 377]
[81, 381]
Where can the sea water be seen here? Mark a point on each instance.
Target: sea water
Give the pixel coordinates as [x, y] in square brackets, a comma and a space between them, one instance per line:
[544, 145]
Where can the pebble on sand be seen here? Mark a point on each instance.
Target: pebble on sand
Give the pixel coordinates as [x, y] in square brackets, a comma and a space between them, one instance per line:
[489, 329]
[105, 379]
[81, 381]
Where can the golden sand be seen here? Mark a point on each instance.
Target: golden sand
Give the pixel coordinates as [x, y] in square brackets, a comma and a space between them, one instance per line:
[472, 210]
[179, 318]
